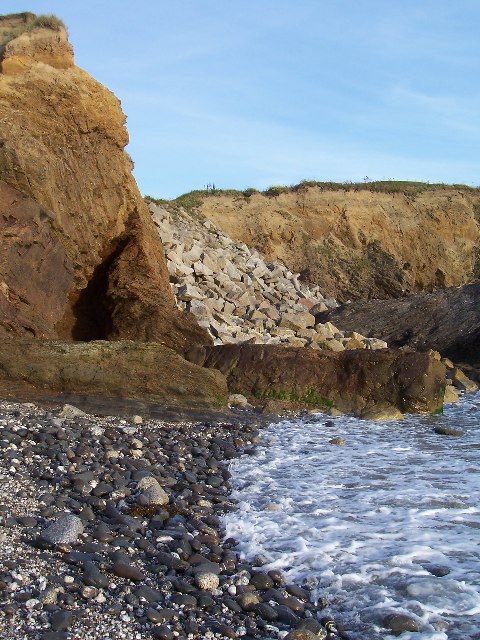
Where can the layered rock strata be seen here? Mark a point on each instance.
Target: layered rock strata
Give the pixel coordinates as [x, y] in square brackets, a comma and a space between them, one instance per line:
[70, 206]
[238, 296]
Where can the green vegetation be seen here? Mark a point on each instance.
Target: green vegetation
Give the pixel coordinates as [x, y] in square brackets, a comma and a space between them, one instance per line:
[310, 397]
[276, 190]
[48, 21]
[410, 189]
[195, 198]
[249, 192]
[44, 21]
[156, 200]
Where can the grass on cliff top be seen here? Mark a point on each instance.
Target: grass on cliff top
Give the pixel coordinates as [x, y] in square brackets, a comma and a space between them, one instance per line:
[30, 22]
[194, 199]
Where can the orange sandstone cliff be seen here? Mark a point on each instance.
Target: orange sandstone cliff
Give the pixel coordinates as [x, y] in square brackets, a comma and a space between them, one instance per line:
[368, 241]
[80, 258]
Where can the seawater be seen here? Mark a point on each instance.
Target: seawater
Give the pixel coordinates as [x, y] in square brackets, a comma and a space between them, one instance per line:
[372, 525]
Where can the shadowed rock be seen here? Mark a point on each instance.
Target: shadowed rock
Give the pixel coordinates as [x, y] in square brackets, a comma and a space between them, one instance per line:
[447, 321]
[352, 381]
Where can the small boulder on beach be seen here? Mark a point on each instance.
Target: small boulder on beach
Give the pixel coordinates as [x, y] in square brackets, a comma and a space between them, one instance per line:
[151, 493]
[65, 530]
[400, 622]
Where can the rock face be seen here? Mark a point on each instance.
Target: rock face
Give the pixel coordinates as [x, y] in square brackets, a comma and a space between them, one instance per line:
[352, 381]
[49, 46]
[70, 206]
[125, 369]
[360, 243]
[239, 297]
[35, 272]
[447, 321]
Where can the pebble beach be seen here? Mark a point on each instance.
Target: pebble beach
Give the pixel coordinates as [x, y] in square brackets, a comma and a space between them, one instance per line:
[111, 528]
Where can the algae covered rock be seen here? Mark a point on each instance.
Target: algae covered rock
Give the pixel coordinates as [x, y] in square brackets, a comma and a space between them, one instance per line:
[149, 371]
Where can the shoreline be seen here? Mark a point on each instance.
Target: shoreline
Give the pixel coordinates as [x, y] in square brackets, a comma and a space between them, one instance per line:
[135, 569]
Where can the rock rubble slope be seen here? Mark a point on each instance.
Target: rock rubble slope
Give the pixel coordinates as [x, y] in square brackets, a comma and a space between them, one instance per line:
[238, 296]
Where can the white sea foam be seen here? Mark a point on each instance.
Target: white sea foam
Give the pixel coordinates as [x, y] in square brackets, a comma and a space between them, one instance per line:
[371, 524]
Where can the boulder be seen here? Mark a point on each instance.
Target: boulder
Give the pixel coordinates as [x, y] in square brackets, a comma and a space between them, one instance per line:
[352, 381]
[382, 414]
[461, 382]
[451, 395]
[400, 622]
[297, 321]
[333, 345]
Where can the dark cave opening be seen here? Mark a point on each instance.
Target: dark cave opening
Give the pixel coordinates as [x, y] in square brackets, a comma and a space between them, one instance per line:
[92, 311]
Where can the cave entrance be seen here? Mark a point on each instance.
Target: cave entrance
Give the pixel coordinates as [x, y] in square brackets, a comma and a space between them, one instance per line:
[92, 311]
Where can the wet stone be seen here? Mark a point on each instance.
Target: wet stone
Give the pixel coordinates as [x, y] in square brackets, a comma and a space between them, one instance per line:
[400, 622]
[314, 626]
[297, 592]
[261, 581]
[205, 601]
[292, 603]
[159, 615]
[163, 632]
[286, 615]
[437, 570]
[223, 629]
[248, 600]
[266, 612]
[184, 600]
[448, 431]
[303, 634]
[128, 571]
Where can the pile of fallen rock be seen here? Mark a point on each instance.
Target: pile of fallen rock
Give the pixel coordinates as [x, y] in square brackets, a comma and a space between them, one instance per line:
[237, 296]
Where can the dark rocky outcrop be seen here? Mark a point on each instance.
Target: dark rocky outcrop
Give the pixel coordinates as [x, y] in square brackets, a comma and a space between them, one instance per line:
[70, 207]
[447, 321]
[124, 369]
[352, 381]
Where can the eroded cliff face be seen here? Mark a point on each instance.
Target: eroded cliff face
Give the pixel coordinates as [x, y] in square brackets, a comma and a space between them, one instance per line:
[361, 244]
[39, 45]
[71, 208]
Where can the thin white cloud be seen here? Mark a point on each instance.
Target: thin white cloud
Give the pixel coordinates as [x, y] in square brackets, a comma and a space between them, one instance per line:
[457, 112]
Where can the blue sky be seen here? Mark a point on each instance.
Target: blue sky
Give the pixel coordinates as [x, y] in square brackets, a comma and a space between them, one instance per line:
[260, 92]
